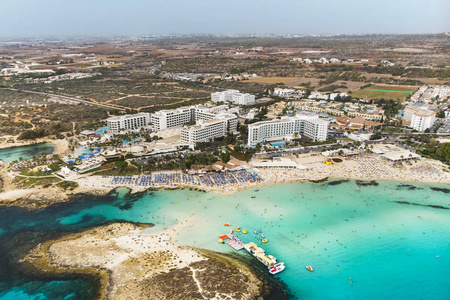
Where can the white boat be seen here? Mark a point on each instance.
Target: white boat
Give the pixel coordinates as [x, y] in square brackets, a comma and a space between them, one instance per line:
[277, 268]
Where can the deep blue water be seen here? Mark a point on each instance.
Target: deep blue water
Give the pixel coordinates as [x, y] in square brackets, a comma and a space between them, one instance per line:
[362, 243]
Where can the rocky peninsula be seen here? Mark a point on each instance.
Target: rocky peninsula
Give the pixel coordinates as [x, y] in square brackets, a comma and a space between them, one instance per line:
[133, 264]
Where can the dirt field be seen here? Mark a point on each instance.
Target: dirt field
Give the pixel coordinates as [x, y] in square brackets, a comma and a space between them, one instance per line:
[272, 80]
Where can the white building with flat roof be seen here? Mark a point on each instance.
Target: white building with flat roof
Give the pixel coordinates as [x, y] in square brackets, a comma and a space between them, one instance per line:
[422, 119]
[283, 92]
[165, 119]
[310, 126]
[243, 99]
[204, 131]
[127, 122]
[223, 96]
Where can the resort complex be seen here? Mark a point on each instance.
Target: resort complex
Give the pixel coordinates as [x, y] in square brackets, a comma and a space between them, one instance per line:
[231, 166]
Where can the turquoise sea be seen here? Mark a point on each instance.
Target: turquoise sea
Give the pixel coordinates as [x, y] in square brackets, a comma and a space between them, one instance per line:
[26, 152]
[364, 241]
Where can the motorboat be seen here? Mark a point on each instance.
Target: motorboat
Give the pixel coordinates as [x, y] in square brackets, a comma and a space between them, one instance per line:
[277, 268]
[310, 268]
[262, 235]
[277, 264]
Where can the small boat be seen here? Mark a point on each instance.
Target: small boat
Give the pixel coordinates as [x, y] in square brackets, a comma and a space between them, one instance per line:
[253, 196]
[226, 224]
[256, 232]
[256, 190]
[264, 241]
[238, 228]
[310, 268]
[262, 235]
[275, 269]
[259, 230]
[244, 231]
[272, 257]
[277, 264]
[220, 241]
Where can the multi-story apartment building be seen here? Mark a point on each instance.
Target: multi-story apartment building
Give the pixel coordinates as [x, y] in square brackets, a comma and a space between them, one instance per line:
[410, 110]
[204, 131]
[310, 126]
[243, 99]
[223, 96]
[233, 96]
[127, 122]
[165, 119]
[422, 120]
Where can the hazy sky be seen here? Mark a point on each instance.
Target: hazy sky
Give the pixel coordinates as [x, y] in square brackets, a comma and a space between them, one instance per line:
[27, 18]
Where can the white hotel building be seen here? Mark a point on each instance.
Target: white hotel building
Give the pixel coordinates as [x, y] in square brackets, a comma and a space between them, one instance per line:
[243, 99]
[223, 96]
[310, 126]
[204, 131]
[128, 122]
[422, 120]
[233, 96]
[165, 119]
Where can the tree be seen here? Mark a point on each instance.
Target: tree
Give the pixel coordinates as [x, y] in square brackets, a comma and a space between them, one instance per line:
[121, 165]
[224, 157]
[440, 114]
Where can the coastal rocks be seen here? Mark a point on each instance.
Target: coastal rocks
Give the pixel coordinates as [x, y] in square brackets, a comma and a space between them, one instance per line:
[337, 182]
[408, 187]
[37, 199]
[443, 190]
[425, 205]
[131, 264]
[319, 180]
[366, 183]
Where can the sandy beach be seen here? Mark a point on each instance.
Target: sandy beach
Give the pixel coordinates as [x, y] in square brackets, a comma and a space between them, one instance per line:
[366, 167]
[361, 167]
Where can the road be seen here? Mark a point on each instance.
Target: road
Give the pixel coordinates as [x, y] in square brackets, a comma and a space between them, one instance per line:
[70, 99]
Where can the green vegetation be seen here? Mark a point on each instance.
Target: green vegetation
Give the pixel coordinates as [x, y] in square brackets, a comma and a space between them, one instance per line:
[68, 185]
[378, 90]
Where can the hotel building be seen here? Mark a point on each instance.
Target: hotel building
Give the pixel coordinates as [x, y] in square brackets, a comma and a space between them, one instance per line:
[165, 119]
[127, 122]
[204, 131]
[223, 96]
[422, 120]
[233, 96]
[310, 126]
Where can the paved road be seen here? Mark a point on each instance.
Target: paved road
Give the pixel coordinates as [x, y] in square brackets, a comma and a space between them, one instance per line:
[72, 99]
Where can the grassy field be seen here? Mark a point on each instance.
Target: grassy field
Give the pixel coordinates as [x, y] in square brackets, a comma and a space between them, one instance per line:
[394, 92]
[406, 88]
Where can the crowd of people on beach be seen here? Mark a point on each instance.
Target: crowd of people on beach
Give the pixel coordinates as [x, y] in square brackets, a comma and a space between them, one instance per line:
[176, 179]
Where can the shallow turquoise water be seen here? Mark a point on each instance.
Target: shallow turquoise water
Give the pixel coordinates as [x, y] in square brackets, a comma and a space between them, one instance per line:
[361, 243]
[26, 152]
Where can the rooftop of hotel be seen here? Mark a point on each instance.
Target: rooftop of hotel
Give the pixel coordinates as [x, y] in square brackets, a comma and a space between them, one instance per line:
[115, 118]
